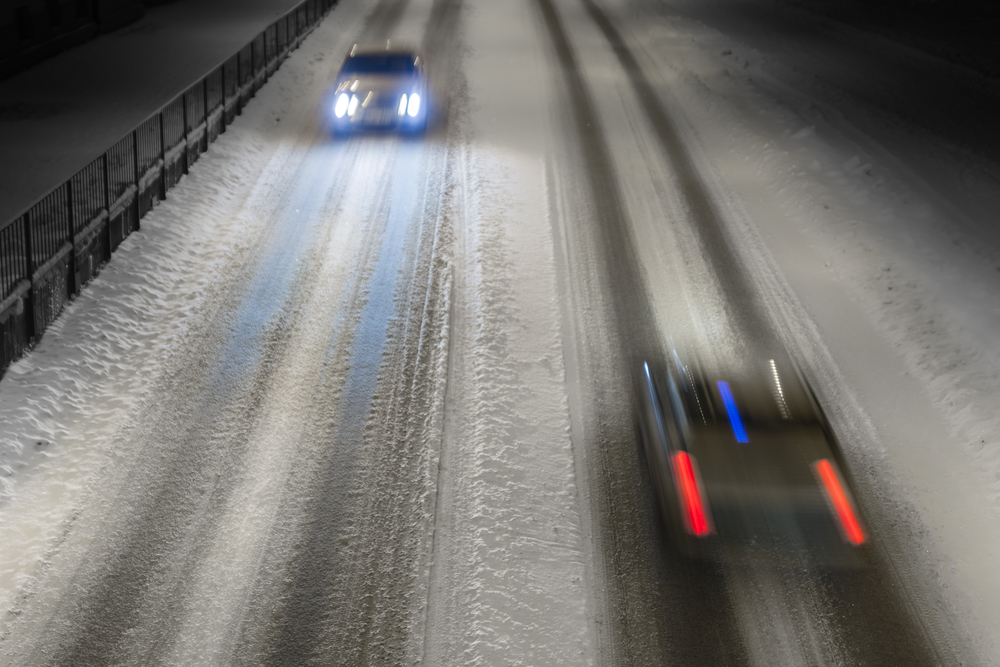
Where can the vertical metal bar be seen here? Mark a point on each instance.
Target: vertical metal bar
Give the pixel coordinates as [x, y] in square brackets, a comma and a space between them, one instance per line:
[222, 120]
[163, 160]
[71, 282]
[70, 228]
[204, 95]
[107, 207]
[135, 156]
[29, 265]
[135, 164]
[107, 183]
[184, 127]
[29, 260]
[239, 81]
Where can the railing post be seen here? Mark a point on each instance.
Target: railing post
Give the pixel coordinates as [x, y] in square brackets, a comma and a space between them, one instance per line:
[29, 265]
[204, 100]
[239, 82]
[138, 176]
[71, 283]
[107, 208]
[163, 160]
[184, 127]
[29, 256]
[222, 119]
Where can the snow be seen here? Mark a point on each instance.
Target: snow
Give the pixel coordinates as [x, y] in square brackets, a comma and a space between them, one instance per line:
[892, 268]
[66, 404]
[869, 230]
[511, 585]
[58, 116]
[150, 323]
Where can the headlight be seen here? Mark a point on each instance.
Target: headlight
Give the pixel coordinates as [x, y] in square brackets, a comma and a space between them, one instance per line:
[352, 105]
[402, 105]
[341, 107]
[413, 107]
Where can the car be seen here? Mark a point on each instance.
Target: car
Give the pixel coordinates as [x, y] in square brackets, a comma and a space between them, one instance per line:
[380, 89]
[745, 464]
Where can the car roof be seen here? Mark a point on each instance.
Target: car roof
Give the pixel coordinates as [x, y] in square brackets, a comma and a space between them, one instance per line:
[383, 52]
[381, 62]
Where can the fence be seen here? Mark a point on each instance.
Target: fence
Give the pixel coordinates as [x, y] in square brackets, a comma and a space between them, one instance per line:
[48, 253]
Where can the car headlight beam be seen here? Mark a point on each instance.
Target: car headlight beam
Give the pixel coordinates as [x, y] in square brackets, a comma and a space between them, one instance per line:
[413, 106]
[340, 108]
[402, 105]
[352, 106]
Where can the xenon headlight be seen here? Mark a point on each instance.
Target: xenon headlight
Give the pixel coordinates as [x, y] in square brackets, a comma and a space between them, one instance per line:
[402, 105]
[413, 106]
[340, 108]
[352, 106]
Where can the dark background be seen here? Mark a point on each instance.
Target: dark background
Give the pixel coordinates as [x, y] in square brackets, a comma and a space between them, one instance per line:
[963, 31]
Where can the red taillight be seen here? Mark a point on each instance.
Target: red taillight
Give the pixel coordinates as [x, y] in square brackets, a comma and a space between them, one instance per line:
[693, 506]
[840, 501]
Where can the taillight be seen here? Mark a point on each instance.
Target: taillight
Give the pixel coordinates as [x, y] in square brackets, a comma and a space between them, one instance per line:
[840, 501]
[694, 507]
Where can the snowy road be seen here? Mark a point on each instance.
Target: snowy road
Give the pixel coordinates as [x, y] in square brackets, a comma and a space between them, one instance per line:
[368, 402]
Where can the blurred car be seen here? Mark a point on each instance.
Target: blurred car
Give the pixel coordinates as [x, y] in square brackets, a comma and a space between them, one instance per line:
[380, 90]
[746, 465]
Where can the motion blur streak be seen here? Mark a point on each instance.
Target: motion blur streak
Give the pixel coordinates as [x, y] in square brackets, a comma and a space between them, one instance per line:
[733, 412]
[779, 393]
[842, 506]
[694, 510]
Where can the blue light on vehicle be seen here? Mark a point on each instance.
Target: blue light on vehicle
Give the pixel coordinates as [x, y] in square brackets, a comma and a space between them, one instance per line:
[413, 107]
[734, 414]
[341, 107]
[402, 105]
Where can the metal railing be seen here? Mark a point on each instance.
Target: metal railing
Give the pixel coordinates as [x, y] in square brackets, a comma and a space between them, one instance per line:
[49, 252]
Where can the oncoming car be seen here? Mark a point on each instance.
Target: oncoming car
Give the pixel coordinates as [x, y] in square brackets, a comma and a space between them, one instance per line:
[380, 90]
[746, 465]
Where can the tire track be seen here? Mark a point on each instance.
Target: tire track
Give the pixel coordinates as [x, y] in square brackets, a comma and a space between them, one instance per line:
[871, 628]
[653, 609]
[160, 509]
[128, 596]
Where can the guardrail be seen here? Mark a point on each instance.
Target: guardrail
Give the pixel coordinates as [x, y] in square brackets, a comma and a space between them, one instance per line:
[49, 252]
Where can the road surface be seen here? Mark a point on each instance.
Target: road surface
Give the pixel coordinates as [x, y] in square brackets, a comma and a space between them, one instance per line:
[369, 401]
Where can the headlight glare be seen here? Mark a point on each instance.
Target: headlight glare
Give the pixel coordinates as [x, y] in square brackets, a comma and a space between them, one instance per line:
[352, 105]
[413, 107]
[340, 108]
[402, 105]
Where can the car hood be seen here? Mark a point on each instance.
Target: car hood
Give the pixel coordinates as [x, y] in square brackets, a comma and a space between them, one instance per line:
[377, 86]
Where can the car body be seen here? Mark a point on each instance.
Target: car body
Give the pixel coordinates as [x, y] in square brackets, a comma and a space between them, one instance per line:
[379, 89]
[747, 465]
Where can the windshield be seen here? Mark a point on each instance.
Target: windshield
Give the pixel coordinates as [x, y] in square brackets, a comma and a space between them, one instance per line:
[380, 64]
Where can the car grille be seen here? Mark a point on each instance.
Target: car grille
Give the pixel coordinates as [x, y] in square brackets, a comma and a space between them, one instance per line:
[380, 116]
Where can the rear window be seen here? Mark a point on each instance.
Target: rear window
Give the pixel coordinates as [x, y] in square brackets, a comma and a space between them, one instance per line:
[379, 64]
